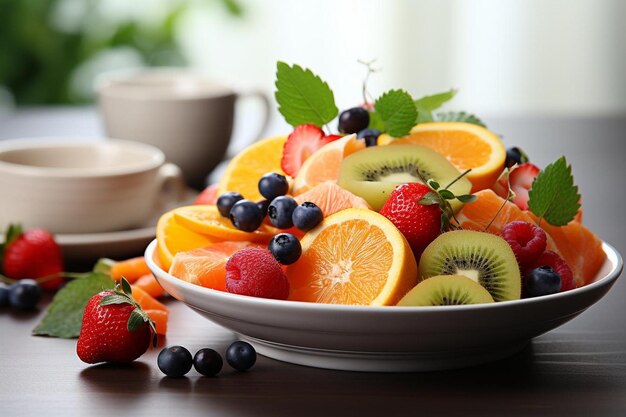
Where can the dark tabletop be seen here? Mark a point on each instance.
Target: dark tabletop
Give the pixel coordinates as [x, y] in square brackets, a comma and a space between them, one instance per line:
[578, 369]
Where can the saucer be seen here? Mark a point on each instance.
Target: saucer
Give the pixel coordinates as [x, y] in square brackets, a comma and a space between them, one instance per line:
[84, 249]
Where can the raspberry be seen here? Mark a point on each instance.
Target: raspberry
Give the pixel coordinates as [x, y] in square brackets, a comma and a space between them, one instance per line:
[255, 272]
[550, 258]
[527, 241]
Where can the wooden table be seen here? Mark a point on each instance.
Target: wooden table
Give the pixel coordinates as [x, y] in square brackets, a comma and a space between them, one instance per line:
[576, 370]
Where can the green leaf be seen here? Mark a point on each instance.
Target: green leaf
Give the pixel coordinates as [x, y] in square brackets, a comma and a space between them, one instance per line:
[303, 97]
[376, 122]
[136, 319]
[447, 194]
[429, 199]
[126, 287]
[397, 111]
[466, 198]
[433, 102]
[115, 299]
[65, 314]
[433, 184]
[459, 116]
[553, 195]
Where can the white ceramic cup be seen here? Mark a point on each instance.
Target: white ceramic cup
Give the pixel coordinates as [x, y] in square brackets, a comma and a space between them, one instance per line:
[79, 186]
[187, 116]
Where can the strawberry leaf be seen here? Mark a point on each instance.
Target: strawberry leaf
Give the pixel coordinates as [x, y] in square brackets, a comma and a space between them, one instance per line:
[553, 195]
[115, 299]
[397, 111]
[65, 314]
[303, 97]
[126, 287]
[429, 199]
[136, 320]
[447, 194]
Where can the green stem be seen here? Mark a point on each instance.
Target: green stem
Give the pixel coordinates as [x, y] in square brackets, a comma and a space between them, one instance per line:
[496, 216]
[457, 178]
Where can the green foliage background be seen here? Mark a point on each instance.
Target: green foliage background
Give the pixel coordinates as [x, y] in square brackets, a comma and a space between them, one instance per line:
[38, 60]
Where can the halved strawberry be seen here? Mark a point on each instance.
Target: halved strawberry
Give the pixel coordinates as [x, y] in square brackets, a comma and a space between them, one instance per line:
[521, 180]
[301, 143]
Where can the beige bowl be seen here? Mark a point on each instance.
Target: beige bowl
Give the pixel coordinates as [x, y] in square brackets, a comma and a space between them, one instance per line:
[79, 186]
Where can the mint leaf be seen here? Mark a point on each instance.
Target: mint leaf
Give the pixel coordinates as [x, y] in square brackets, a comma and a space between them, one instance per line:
[427, 104]
[65, 314]
[376, 122]
[553, 195]
[397, 111]
[458, 116]
[303, 97]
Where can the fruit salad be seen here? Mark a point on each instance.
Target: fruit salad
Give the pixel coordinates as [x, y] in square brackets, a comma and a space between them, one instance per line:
[401, 204]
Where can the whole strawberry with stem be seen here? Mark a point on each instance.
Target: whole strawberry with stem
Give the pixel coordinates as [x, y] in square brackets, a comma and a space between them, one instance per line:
[115, 328]
[422, 211]
[32, 254]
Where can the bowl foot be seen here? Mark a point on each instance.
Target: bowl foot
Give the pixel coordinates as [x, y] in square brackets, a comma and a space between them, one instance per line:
[383, 361]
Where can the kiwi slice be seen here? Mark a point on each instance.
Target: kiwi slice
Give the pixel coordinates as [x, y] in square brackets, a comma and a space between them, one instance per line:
[374, 172]
[446, 290]
[485, 258]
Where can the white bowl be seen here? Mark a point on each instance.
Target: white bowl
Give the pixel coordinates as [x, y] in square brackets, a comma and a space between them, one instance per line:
[388, 339]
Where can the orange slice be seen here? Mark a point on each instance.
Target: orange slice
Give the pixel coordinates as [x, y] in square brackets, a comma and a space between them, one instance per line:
[324, 164]
[172, 238]
[465, 145]
[331, 198]
[579, 247]
[246, 169]
[206, 266]
[355, 256]
[207, 220]
[160, 320]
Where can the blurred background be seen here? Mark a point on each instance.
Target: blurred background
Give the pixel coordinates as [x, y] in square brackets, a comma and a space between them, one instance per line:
[515, 57]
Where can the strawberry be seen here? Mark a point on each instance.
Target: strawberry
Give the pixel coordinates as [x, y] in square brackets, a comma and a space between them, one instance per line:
[301, 143]
[420, 224]
[521, 179]
[114, 328]
[32, 254]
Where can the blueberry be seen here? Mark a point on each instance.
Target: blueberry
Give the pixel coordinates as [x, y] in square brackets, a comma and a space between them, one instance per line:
[307, 215]
[514, 156]
[542, 281]
[246, 215]
[353, 120]
[369, 135]
[241, 356]
[226, 201]
[263, 205]
[174, 361]
[4, 294]
[280, 212]
[286, 248]
[272, 185]
[207, 362]
[25, 294]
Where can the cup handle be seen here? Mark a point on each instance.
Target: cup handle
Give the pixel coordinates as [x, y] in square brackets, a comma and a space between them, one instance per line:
[265, 101]
[171, 184]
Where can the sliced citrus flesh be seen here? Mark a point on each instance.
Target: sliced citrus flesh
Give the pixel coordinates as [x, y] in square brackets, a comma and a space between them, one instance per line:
[465, 145]
[206, 266]
[159, 317]
[331, 198]
[355, 256]
[207, 221]
[172, 237]
[579, 247]
[246, 169]
[324, 164]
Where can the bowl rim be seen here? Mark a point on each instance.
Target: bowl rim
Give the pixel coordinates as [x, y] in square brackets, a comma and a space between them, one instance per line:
[613, 256]
[154, 157]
